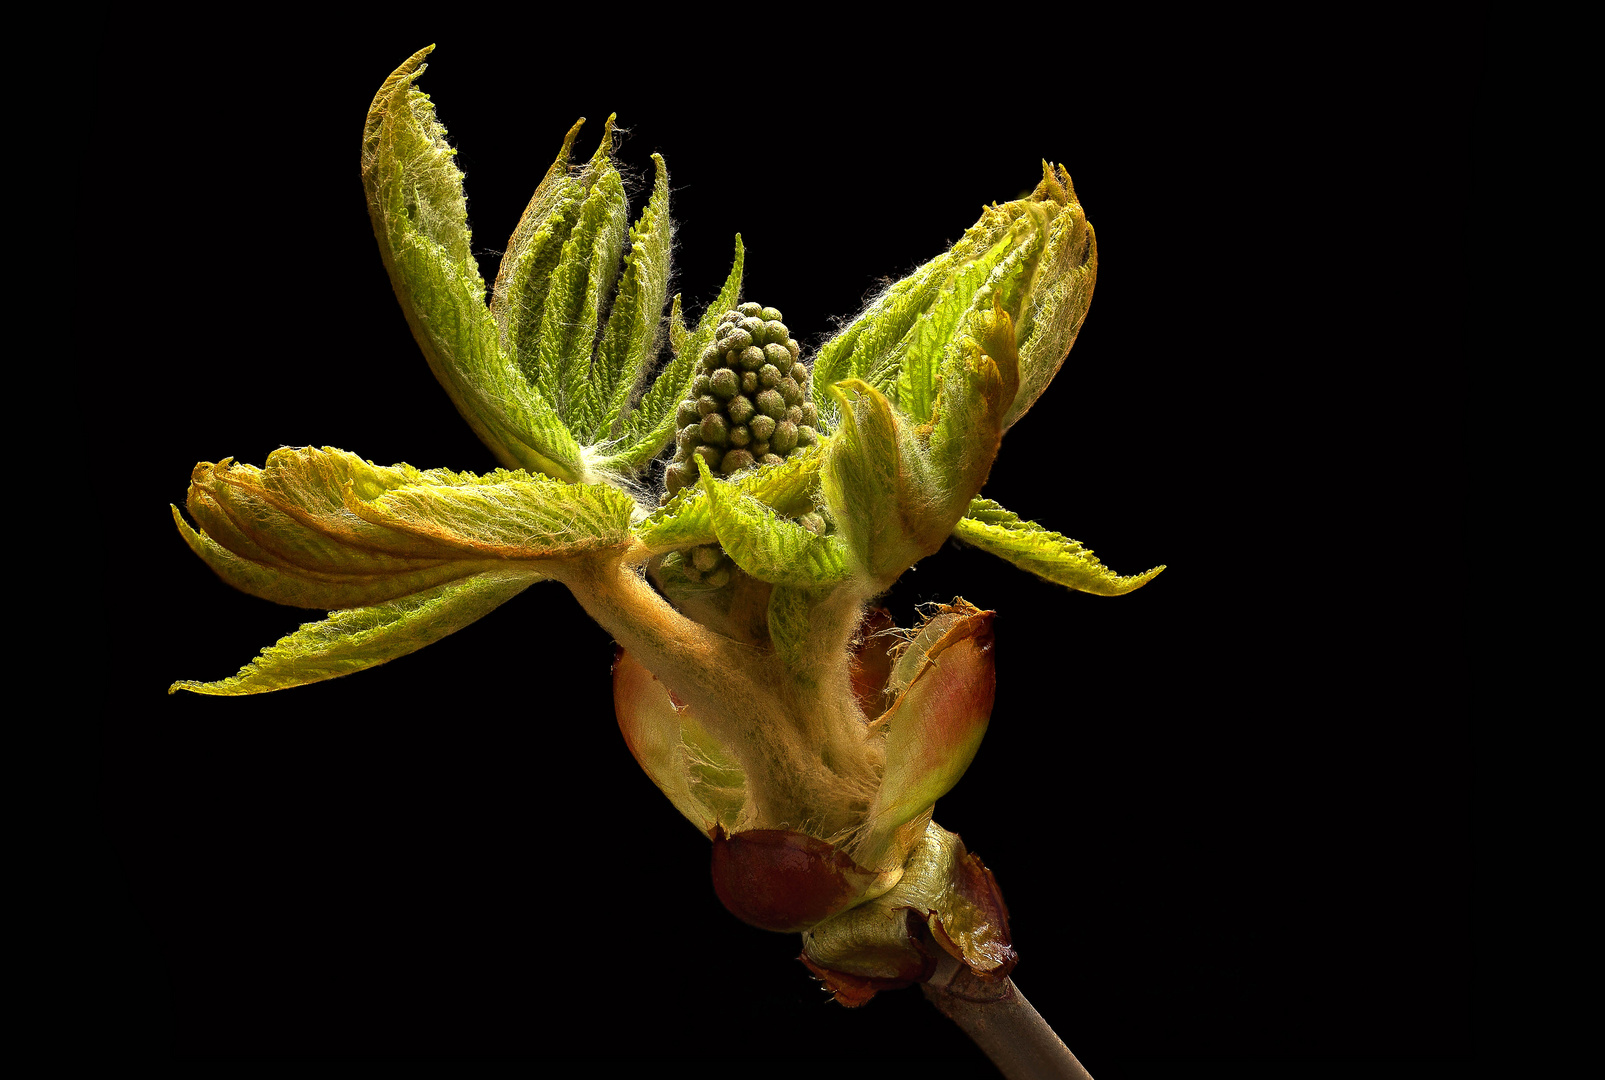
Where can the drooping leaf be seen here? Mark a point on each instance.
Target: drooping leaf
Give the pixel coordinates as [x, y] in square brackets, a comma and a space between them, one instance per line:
[323, 528]
[299, 586]
[768, 546]
[351, 640]
[1049, 555]
[415, 200]
[532, 518]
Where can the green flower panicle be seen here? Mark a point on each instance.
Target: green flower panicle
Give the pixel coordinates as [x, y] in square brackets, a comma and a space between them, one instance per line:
[751, 401]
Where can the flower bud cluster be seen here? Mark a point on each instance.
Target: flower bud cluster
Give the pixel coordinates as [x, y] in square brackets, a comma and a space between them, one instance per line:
[750, 402]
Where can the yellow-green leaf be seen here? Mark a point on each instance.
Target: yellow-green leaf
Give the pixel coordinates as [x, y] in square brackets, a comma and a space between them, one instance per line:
[349, 641]
[518, 299]
[416, 203]
[687, 519]
[648, 428]
[979, 380]
[1048, 324]
[323, 528]
[866, 484]
[629, 348]
[580, 284]
[526, 518]
[767, 545]
[1047, 554]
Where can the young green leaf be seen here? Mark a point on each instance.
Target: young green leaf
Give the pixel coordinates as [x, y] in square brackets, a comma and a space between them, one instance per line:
[768, 546]
[365, 637]
[579, 285]
[629, 348]
[867, 483]
[649, 427]
[326, 529]
[415, 200]
[518, 299]
[1047, 554]
[687, 520]
[867, 348]
[1048, 324]
[533, 518]
[979, 380]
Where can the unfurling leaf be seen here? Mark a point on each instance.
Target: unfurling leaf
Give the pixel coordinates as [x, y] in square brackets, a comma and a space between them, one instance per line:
[770, 547]
[1034, 260]
[1046, 326]
[349, 641]
[1047, 554]
[688, 519]
[896, 490]
[649, 427]
[326, 529]
[420, 218]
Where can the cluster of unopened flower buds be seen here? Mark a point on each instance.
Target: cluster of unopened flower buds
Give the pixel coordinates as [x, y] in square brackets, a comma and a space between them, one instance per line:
[750, 400]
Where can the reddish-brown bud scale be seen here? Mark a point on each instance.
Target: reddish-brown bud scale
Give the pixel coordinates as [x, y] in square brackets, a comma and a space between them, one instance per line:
[779, 880]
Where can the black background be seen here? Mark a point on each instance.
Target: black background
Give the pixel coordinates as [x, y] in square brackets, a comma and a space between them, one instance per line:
[1229, 812]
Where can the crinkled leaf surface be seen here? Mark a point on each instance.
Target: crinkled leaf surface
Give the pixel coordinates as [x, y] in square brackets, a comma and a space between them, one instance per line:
[1034, 259]
[896, 490]
[388, 548]
[768, 546]
[349, 641]
[560, 362]
[869, 482]
[1050, 555]
[416, 203]
[687, 519]
[649, 426]
[1047, 324]
[323, 528]
[629, 347]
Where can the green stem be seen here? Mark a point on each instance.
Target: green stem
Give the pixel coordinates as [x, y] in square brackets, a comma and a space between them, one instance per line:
[732, 688]
[1004, 1025]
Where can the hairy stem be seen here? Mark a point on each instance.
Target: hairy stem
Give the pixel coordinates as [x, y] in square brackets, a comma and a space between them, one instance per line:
[735, 689]
[1004, 1025]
